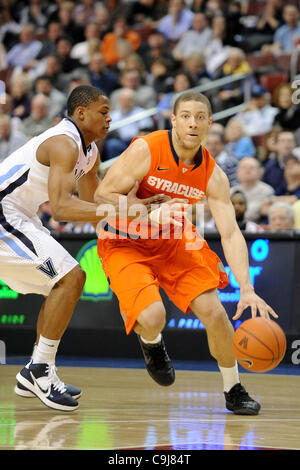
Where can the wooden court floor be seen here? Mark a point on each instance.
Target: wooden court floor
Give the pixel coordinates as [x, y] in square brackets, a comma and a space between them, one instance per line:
[125, 409]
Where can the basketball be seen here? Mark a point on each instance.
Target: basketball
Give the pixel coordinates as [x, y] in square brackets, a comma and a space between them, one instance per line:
[259, 344]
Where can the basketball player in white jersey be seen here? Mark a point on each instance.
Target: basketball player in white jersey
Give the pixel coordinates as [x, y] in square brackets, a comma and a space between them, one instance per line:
[47, 168]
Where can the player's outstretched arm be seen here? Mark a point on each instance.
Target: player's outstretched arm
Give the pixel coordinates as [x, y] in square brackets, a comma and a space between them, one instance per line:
[233, 243]
[62, 153]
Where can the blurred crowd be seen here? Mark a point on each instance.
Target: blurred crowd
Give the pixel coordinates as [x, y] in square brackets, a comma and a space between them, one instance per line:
[141, 53]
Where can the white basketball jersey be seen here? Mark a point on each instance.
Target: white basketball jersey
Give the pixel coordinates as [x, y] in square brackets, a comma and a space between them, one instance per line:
[24, 181]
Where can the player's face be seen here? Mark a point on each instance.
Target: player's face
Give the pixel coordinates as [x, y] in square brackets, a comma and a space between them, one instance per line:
[191, 124]
[97, 118]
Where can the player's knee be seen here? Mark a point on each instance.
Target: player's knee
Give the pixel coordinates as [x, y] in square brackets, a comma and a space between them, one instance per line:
[215, 319]
[154, 319]
[74, 281]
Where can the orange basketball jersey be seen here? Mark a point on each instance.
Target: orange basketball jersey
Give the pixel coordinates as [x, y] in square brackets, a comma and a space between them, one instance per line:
[169, 175]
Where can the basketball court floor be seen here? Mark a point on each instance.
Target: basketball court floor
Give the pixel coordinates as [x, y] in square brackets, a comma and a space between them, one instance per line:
[122, 408]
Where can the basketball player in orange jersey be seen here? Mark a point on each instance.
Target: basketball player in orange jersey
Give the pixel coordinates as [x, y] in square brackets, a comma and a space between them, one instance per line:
[175, 163]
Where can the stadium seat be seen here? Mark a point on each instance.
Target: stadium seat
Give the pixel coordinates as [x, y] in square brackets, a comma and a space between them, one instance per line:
[283, 62]
[258, 61]
[273, 80]
[256, 7]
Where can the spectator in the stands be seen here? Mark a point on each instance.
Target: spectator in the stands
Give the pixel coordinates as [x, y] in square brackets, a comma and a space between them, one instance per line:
[100, 75]
[38, 121]
[53, 68]
[240, 205]
[268, 21]
[256, 191]
[65, 17]
[35, 14]
[121, 30]
[84, 11]
[281, 217]
[54, 31]
[26, 50]
[119, 139]
[155, 47]
[102, 17]
[267, 150]
[57, 99]
[20, 90]
[216, 51]
[10, 140]
[195, 39]
[287, 36]
[288, 116]
[63, 50]
[232, 93]
[238, 140]
[258, 115]
[292, 184]
[274, 168]
[145, 13]
[177, 21]
[195, 65]
[9, 28]
[159, 77]
[215, 144]
[81, 50]
[124, 50]
[145, 95]
[135, 61]
[182, 81]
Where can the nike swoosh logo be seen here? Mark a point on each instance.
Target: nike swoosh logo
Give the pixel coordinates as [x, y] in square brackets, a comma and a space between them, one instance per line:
[46, 392]
[162, 169]
[247, 361]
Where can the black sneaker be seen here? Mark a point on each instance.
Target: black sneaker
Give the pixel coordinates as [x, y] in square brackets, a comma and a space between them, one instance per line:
[158, 363]
[238, 401]
[23, 391]
[41, 379]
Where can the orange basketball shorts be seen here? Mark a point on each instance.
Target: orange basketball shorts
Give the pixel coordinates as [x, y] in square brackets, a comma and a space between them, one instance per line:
[136, 269]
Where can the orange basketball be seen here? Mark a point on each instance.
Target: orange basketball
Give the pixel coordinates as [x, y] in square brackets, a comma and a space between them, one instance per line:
[259, 344]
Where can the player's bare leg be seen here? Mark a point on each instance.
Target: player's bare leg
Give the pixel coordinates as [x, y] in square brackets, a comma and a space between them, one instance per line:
[208, 308]
[149, 325]
[39, 376]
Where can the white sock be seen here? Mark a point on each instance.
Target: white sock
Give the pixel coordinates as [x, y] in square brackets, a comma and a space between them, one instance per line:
[153, 341]
[45, 351]
[230, 376]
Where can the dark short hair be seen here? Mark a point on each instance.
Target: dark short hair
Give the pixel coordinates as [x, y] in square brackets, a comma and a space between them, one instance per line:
[83, 95]
[192, 96]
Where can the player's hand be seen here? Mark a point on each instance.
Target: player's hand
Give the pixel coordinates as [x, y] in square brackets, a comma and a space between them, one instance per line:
[256, 303]
[170, 212]
[132, 199]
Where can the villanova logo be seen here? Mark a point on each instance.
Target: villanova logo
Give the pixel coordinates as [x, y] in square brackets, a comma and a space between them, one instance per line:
[48, 268]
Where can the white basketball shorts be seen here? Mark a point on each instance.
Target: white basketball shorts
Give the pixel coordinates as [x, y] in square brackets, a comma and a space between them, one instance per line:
[31, 260]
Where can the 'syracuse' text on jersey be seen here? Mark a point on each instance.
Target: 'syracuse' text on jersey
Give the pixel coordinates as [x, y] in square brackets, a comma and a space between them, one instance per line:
[169, 175]
[24, 181]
